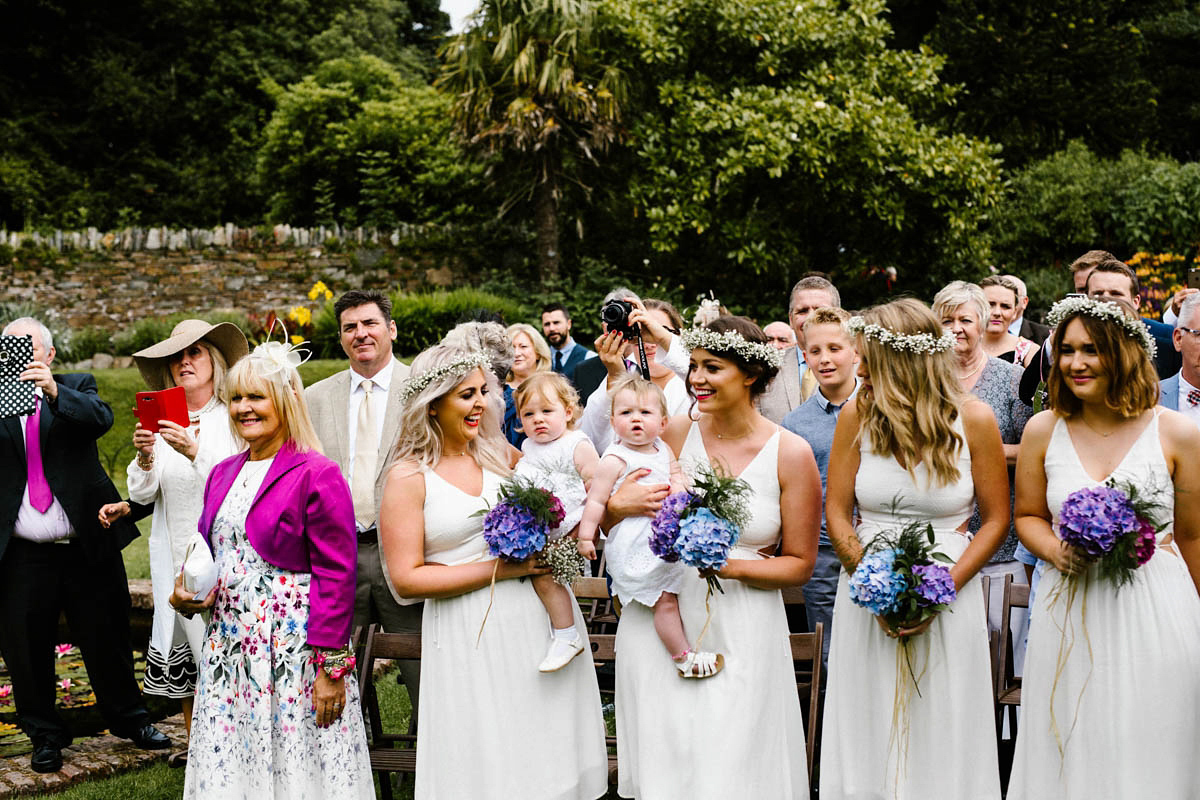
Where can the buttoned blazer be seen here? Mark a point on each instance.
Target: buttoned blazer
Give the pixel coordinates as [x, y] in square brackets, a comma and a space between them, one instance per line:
[578, 355]
[329, 407]
[302, 520]
[1168, 392]
[1034, 331]
[783, 392]
[69, 428]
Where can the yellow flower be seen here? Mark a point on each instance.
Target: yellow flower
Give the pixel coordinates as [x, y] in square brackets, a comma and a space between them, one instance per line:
[319, 288]
[300, 315]
[297, 339]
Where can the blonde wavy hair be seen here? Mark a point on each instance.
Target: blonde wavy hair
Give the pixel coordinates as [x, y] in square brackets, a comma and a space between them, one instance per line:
[255, 374]
[540, 348]
[549, 386]
[421, 438]
[915, 397]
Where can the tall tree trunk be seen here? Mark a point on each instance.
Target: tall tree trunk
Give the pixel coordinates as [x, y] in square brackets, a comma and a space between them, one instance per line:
[545, 218]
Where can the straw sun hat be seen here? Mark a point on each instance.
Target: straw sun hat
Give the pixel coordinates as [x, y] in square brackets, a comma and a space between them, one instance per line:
[225, 336]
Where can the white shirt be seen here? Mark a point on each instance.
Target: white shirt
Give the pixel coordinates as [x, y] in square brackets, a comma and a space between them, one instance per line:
[1187, 409]
[379, 398]
[33, 524]
[1015, 328]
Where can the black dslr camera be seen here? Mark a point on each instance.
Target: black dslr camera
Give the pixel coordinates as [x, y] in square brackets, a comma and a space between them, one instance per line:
[615, 315]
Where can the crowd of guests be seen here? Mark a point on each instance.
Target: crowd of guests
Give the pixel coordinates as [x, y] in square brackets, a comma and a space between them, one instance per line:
[360, 500]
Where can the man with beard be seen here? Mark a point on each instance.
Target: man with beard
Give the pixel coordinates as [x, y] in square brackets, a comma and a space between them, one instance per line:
[567, 353]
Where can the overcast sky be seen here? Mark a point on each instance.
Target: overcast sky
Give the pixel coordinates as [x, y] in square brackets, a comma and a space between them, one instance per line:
[458, 10]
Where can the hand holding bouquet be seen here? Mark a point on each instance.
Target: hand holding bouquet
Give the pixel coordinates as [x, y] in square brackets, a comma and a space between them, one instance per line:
[701, 526]
[898, 579]
[1112, 525]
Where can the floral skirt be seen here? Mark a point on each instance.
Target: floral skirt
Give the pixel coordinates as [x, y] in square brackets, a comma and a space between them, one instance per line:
[254, 731]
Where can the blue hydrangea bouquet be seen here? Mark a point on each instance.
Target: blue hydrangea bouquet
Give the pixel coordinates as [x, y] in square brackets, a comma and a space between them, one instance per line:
[699, 527]
[898, 579]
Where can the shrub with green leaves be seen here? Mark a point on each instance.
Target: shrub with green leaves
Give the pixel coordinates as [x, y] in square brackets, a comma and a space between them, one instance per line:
[150, 330]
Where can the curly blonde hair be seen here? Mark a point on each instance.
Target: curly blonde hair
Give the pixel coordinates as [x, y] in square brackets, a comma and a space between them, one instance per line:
[421, 439]
[914, 399]
[549, 386]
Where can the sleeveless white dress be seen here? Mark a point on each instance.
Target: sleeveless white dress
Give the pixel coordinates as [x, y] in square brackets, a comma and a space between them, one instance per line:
[491, 725]
[1126, 706]
[551, 467]
[739, 733]
[950, 731]
[637, 574]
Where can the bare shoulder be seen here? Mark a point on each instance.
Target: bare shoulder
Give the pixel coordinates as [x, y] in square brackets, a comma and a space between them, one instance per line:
[977, 413]
[1178, 431]
[1039, 427]
[792, 447]
[676, 432]
[407, 476]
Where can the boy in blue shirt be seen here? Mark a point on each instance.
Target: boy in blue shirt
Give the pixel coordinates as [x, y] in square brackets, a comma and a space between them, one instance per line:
[831, 356]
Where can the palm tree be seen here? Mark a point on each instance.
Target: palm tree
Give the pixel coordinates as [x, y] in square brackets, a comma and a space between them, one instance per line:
[526, 87]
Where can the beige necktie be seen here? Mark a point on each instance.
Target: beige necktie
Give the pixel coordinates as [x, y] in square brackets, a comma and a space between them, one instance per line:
[362, 484]
[808, 384]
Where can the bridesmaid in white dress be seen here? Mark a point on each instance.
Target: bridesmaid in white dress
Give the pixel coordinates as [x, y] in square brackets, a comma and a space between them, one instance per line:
[491, 725]
[912, 447]
[740, 732]
[1112, 679]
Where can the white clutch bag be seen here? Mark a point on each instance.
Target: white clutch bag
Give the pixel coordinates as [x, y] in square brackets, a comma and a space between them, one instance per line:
[199, 570]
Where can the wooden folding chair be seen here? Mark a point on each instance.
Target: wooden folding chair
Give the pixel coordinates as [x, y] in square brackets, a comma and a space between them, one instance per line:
[1008, 686]
[806, 660]
[596, 604]
[389, 752]
[604, 654]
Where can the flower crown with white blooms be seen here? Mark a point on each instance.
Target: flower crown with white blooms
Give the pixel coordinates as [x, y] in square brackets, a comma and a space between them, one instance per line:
[458, 368]
[731, 341]
[920, 343]
[1102, 309]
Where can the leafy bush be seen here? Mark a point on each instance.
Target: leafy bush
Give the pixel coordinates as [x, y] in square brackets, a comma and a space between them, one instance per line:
[423, 319]
[86, 343]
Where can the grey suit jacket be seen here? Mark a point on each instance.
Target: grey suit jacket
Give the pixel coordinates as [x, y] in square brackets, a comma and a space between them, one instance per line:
[783, 393]
[1168, 393]
[329, 406]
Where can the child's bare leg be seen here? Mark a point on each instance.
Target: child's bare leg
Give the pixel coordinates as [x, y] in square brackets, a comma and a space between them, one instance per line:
[669, 625]
[557, 599]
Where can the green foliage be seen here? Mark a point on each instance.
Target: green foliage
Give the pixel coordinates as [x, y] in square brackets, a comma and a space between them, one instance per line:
[423, 319]
[773, 143]
[361, 142]
[86, 343]
[1075, 201]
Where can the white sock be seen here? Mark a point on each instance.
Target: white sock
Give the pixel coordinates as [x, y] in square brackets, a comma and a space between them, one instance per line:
[565, 634]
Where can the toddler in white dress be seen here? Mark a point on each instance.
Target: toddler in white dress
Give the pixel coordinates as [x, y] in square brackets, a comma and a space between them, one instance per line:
[639, 416]
[561, 460]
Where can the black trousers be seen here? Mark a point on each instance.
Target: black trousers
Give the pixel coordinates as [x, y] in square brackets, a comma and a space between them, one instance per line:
[37, 582]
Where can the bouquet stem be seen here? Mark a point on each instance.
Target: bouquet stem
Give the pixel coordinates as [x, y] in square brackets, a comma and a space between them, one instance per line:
[491, 597]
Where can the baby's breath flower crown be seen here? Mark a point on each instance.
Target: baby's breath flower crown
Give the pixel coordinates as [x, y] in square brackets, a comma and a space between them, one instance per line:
[731, 341]
[922, 343]
[457, 368]
[1101, 309]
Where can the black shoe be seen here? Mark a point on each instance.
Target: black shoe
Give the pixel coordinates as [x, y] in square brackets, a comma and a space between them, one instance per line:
[149, 737]
[46, 759]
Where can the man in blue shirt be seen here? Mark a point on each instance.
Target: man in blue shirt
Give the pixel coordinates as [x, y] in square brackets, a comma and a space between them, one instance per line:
[567, 353]
[832, 358]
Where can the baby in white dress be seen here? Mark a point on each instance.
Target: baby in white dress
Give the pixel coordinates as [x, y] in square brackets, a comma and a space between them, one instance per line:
[639, 416]
[561, 460]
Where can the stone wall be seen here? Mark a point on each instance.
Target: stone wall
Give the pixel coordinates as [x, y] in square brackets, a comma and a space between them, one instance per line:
[108, 279]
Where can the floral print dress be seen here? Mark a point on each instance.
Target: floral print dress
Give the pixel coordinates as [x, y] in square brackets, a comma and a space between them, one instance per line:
[254, 730]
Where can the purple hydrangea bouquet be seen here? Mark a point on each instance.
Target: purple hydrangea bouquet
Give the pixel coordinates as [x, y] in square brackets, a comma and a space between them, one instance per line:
[1114, 525]
[699, 527]
[517, 527]
[898, 579]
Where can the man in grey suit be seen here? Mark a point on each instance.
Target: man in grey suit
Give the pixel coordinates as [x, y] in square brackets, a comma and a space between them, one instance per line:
[794, 384]
[357, 417]
[1181, 391]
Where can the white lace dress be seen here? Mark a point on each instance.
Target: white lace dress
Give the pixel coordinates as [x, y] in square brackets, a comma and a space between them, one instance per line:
[491, 725]
[639, 576]
[552, 467]
[738, 734]
[1119, 718]
[254, 730]
[944, 744]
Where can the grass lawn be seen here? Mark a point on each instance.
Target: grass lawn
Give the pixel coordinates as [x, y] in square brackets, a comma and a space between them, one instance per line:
[117, 387]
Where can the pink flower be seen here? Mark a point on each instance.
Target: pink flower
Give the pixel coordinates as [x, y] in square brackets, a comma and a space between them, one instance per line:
[65, 684]
[61, 650]
[5, 691]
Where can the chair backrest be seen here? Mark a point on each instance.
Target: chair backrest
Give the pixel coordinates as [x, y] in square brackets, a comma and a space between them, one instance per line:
[1016, 595]
[806, 660]
[604, 647]
[590, 588]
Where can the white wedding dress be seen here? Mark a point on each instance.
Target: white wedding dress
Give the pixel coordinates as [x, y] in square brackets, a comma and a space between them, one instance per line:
[1120, 717]
[944, 744]
[739, 733]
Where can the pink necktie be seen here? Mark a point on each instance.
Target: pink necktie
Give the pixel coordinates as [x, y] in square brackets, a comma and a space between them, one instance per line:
[39, 491]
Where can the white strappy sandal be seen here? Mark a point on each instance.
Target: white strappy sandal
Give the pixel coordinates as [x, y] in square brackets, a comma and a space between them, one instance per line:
[700, 664]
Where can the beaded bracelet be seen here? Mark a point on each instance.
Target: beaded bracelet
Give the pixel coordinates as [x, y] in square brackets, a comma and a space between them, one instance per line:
[336, 663]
